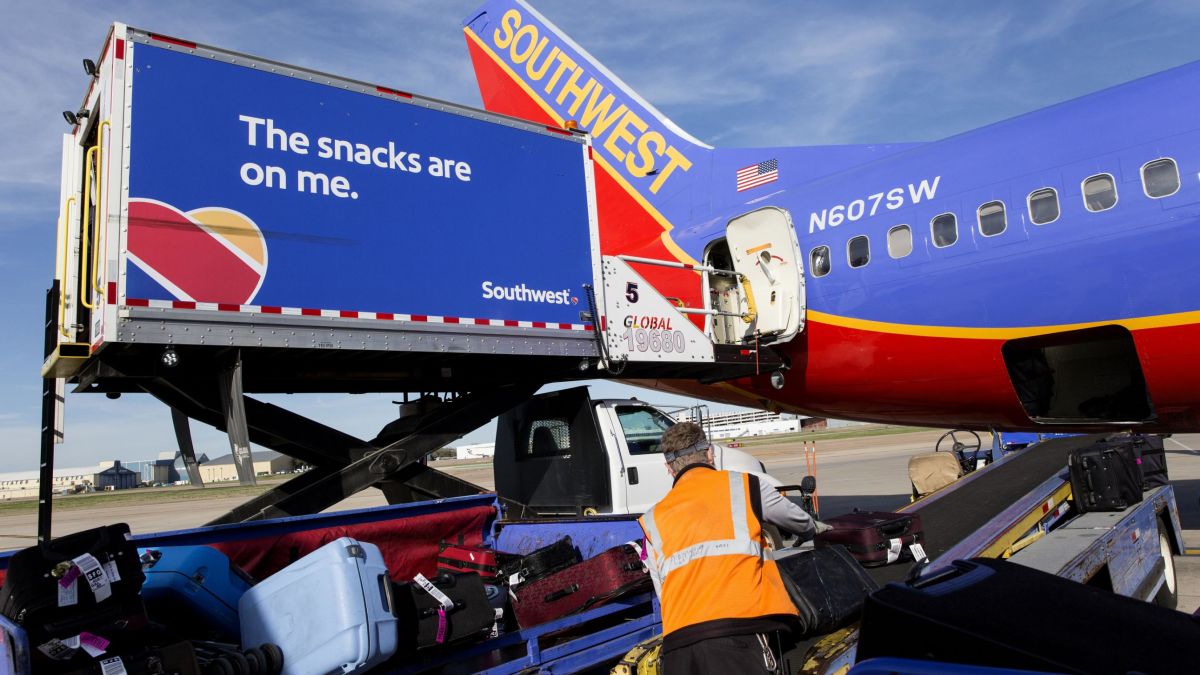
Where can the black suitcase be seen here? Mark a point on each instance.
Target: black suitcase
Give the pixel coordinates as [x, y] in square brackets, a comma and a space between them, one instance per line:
[421, 626]
[1105, 476]
[542, 562]
[176, 659]
[996, 613]
[33, 598]
[1154, 462]
[827, 585]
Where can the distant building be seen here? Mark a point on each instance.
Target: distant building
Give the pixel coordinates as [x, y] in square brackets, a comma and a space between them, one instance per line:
[116, 477]
[181, 466]
[266, 462]
[759, 423]
[18, 484]
[475, 451]
[167, 469]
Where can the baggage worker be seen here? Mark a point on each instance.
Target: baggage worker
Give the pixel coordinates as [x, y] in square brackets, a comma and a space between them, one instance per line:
[722, 598]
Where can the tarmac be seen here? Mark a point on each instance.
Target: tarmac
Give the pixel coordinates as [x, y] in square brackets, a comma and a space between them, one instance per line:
[868, 473]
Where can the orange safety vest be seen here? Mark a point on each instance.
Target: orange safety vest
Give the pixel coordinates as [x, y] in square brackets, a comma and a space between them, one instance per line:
[707, 546]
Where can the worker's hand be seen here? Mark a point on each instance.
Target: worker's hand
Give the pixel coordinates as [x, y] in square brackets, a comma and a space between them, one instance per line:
[821, 527]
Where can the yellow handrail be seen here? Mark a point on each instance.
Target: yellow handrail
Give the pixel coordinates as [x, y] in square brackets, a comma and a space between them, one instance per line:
[65, 226]
[751, 309]
[98, 287]
[84, 294]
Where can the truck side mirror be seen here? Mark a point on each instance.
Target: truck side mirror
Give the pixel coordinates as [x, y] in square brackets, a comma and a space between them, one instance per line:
[808, 485]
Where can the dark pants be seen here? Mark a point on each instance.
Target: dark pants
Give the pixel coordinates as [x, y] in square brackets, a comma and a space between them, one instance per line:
[720, 656]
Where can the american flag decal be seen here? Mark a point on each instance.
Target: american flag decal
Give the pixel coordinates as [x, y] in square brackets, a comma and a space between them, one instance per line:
[758, 174]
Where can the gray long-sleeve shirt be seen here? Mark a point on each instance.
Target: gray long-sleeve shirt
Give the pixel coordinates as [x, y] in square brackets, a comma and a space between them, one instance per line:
[784, 513]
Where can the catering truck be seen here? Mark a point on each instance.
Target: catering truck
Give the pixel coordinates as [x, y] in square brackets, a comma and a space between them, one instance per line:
[231, 225]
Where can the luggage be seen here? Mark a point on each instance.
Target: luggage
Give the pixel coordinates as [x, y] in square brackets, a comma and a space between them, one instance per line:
[1154, 462]
[997, 613]
[85, 583]
[615, 572]
[932, 471]
[421, 625]
[874, 537]
[329, 611]
[195, 589]
[455, 558]
[544, 561]
[176, 659]
[644, 659]
[827, 585]
[1105, 476]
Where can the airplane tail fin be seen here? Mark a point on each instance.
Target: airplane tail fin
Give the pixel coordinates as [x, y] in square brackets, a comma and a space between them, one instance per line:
[527, 67]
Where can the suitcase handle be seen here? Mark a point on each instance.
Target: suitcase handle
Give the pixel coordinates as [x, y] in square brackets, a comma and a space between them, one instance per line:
[561, 593]
[893, 528]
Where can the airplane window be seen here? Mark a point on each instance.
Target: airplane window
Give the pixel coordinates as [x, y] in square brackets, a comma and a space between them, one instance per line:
[991, 219]
[1100, 192]
[945, 230]
[1160, 178]
[1043, 206]
[899, 241]
[858, 251]
[818, 261]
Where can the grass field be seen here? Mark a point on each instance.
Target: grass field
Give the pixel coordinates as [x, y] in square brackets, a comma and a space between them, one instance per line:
[188, 493]
[141, 495]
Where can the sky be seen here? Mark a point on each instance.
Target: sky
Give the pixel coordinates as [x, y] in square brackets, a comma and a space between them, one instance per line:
[732, 74]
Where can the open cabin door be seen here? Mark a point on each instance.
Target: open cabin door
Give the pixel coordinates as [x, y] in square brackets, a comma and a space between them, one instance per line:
[760, 246]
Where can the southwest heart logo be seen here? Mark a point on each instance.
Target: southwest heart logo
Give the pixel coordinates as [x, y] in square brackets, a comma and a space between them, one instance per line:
[209, 254]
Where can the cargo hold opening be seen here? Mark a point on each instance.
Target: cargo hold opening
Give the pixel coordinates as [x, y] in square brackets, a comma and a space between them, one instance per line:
[1085, 376]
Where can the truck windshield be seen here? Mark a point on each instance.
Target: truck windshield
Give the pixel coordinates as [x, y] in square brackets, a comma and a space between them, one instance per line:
[643, 428]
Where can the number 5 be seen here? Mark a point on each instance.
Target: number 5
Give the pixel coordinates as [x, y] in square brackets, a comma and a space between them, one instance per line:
[631, 291]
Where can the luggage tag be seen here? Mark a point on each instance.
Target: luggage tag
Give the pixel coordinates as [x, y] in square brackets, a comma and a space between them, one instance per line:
[67, 574]
[94, 573]
[641, 551]
[113, 666]
[917, 551]
[110, 569]
[60, 650]
[94, 645]
[446, 604]
[68, 595]
[498, 614]
[895, 546]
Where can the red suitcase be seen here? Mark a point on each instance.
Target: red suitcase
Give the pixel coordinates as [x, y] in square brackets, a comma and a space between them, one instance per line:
[615, 572]
[457, 558]
[874, 537]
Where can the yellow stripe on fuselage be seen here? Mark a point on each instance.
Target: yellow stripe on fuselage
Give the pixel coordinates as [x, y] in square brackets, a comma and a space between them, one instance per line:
[674, 248]
[1136, 323]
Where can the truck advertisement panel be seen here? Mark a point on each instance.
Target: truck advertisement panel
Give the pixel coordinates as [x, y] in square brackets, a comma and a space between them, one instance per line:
[248, 187]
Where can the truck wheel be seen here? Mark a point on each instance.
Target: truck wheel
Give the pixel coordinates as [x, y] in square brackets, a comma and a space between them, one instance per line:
[1168, 595]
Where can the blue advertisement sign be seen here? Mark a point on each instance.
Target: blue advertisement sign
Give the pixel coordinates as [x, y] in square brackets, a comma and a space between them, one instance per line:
[253, 188]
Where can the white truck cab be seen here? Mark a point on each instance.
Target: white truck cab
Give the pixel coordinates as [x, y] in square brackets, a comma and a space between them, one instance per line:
[564, 454]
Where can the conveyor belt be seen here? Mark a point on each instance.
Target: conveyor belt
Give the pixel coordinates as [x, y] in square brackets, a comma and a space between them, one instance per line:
[961, 511]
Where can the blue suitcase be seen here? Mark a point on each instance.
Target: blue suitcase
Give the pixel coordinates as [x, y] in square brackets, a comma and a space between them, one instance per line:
[194, 589]
[329, 612]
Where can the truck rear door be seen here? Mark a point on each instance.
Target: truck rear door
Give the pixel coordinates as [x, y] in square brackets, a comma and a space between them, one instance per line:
[549, 457]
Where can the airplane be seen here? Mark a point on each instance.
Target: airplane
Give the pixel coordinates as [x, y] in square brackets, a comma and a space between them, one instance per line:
[1034, 274]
